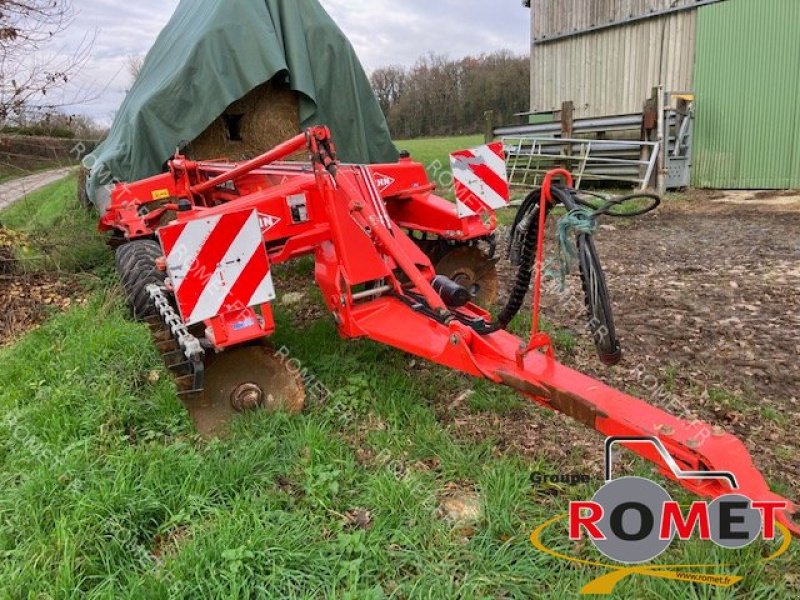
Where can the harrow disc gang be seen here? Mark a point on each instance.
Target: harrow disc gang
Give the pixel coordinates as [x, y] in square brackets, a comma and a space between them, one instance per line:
[240, 380]
[469, 267]
[224, 385]
[213, 387]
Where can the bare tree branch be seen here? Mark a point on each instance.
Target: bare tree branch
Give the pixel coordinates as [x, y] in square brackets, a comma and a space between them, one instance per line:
[134, 64]
[31, 70]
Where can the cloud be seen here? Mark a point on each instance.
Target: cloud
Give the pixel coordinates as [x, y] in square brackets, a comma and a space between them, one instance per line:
[382, 31]
[119, 30]
[399, 32]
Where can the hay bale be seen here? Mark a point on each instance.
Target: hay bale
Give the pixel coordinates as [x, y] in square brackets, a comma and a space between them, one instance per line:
[265, 117]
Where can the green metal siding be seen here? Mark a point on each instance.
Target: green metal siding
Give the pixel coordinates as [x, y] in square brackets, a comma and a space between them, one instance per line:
[747, 85]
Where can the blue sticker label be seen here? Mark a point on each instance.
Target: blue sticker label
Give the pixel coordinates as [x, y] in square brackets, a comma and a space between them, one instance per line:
[243, 324]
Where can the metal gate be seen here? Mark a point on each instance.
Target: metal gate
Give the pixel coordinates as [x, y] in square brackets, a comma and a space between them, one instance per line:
[622, 162]
[651, 149]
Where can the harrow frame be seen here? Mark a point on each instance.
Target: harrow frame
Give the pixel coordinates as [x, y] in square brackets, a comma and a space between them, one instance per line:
[377, 284]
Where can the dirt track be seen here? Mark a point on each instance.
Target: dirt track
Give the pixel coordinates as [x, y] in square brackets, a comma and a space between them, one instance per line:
[707, 304]
[16, 189]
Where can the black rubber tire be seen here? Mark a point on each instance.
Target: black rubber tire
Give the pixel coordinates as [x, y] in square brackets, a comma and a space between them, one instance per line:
[598, 303]
[136, 266]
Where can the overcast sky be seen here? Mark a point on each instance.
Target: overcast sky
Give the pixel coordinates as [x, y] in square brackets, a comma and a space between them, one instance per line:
[382, 31]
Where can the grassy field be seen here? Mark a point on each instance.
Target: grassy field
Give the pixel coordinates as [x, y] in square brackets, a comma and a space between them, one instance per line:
[437, 150]
[64, 239]
[106, 491]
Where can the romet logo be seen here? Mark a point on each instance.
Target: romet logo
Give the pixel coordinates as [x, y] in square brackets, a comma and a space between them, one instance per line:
[633, 520]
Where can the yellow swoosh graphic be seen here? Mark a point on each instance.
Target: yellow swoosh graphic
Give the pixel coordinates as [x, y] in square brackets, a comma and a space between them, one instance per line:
[605, 584]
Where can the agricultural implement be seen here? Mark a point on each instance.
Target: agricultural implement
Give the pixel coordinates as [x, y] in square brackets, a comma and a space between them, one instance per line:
[195, 247]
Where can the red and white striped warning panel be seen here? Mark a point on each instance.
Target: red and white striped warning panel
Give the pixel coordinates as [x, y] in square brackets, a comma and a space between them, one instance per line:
[217, 265]
[480, 179]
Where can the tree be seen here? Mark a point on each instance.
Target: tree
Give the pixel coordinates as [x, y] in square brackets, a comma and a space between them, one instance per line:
[439, 96]
[30, 71]
[389, 84]
[134, 64]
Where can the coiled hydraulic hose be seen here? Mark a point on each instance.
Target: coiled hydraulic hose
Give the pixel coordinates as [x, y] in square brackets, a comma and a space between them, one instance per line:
[522, 253]
[600, 322]
[522, 245]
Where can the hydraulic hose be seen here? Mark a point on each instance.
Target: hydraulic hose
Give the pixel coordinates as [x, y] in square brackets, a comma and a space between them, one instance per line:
[522, 252]
[522, 245]
[600, 322]
[529, 217]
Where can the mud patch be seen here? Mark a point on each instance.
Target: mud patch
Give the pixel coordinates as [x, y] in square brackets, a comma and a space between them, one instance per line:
[460, 508]
[167, 544]
[707, 305]
[767, 198]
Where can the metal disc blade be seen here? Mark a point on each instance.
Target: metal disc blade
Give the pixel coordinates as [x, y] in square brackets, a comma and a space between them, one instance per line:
[469, 267]
[242, 379]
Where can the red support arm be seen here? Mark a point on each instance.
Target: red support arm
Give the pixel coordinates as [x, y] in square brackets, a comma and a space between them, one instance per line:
[279, 152]
[695, 446]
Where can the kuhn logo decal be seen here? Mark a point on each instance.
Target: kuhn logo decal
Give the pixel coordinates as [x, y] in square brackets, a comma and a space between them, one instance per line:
[267, 222]
[383, 182]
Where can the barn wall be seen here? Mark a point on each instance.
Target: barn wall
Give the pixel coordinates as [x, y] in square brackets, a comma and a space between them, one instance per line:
[747, 134]
[612, 71]
[558, 17]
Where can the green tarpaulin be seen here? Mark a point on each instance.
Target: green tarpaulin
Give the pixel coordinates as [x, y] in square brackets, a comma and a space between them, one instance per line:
[213, 53]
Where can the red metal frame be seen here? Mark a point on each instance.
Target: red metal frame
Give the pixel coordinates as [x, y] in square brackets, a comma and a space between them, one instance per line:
[366, 264]
[410, 198]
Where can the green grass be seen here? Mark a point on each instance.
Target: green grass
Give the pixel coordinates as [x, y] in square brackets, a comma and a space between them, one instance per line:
[61, 236]
[728, 399]
[434, 153]
[106, 492]
[430, 151]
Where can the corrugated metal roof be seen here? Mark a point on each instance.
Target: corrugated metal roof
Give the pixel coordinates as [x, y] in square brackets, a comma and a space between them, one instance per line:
[613, 71]
[748, 118]
[557, 17]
